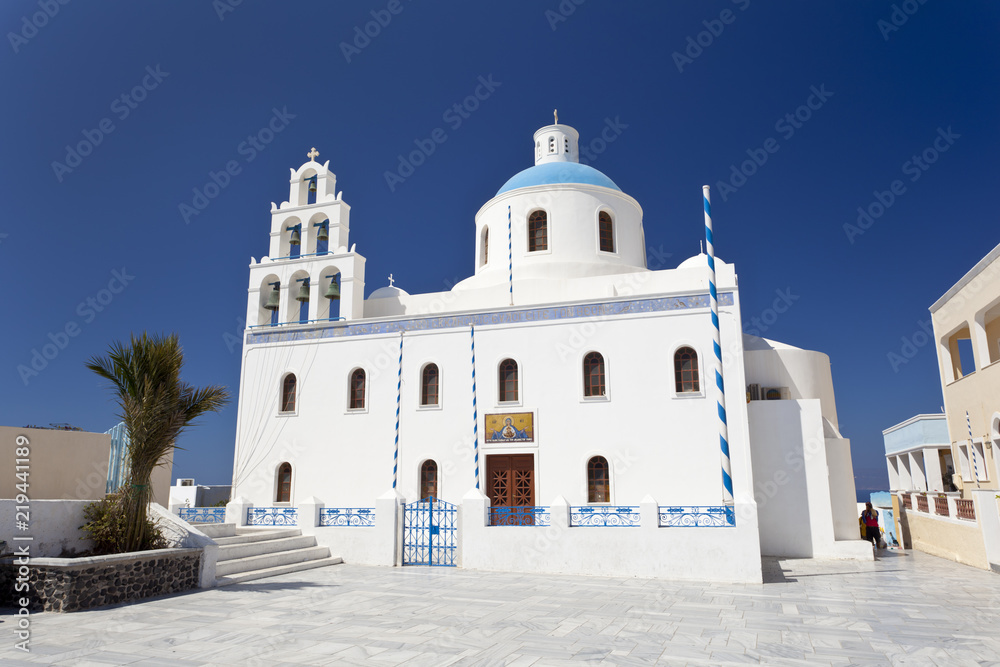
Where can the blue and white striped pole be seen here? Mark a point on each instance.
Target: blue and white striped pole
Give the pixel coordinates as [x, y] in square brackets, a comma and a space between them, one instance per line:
[399, 391]
[510, 259]
[727, 471]
[475, 410]
[972, 449]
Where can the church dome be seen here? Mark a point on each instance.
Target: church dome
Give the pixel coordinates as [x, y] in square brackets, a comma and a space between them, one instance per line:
[557, 172]
[699, 260]
[388, 292]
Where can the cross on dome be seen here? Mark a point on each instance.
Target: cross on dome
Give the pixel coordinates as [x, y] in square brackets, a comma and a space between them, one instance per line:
[313, 154]
[390, 280]
[555, 113]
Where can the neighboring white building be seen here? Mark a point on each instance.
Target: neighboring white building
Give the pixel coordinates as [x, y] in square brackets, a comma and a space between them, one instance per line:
[589, 441]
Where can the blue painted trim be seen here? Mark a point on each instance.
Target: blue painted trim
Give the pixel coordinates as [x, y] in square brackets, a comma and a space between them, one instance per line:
[526, 315]
[347, 516]
[697, 516]
[605, 516]
[203, 514]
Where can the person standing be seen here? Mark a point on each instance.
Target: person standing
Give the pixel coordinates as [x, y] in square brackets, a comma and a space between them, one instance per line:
[870, 519]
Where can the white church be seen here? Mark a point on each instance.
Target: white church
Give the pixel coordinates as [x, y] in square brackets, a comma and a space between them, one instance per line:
[556, 411]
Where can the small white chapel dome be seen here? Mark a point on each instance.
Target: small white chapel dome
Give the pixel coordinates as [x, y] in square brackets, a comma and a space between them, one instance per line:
[701, 259]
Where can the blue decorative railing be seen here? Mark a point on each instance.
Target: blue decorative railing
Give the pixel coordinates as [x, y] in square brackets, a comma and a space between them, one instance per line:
[203, 514]
[604, 515]
[272, 516]
[347, 516]
[520, 516]
[288, 324]
[697, 516]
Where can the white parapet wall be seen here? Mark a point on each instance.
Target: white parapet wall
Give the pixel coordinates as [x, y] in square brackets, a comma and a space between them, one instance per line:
[53, 525]
[801, 500]
[722, 554]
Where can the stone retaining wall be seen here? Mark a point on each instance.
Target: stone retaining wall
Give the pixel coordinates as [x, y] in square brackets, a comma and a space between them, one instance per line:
[72, 584]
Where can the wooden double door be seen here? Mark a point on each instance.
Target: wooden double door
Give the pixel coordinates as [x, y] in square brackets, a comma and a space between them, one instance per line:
[510, 484]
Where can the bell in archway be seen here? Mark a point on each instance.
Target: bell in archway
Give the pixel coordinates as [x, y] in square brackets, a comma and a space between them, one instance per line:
[303, 291]
[312, 185]
[296, 238]
[324, 233]
[272, 300]
[333, 293]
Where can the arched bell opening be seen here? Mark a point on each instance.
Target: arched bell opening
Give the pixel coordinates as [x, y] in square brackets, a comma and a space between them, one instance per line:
[268, 300]
[297, 297]
[291, 238]
[319, 235]
[329, 290]
[308, 188]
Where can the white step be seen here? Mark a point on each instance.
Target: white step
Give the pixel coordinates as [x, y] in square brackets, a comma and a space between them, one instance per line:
[266, 561]
[253, 575]
[244, 536]
[260, 547]
[214, 530]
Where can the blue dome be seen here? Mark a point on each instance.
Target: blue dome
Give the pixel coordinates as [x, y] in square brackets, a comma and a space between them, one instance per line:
[557, 172]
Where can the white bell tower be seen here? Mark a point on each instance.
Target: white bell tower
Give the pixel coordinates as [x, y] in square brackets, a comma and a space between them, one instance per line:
[308, 253]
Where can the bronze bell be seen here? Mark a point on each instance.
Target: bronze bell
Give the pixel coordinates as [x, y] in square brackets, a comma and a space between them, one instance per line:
[324, 233]
[272, 300]
[296, 238]
[312, 185]
[333, 293]
[303, 291]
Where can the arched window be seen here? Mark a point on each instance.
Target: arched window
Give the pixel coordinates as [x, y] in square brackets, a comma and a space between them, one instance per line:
[508, 380]
[283, 493]
[598, 480]
[538, 149]
[288, 393]
[607, 231]
[686, 370]
[428, 480]
[538, 231]
[357, 389]
[593, 375]
[429, 385]
[486, 245]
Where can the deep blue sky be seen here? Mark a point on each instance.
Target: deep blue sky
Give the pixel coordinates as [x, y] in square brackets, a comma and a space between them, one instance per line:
[783, 228]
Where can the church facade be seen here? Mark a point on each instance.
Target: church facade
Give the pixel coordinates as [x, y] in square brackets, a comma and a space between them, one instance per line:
[556, 411]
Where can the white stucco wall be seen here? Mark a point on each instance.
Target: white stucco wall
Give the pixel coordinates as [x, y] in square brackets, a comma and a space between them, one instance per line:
[54, 526]
[806, 373]
[793, 479]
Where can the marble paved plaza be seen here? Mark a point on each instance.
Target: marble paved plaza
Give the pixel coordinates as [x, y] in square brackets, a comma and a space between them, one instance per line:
[902, 609]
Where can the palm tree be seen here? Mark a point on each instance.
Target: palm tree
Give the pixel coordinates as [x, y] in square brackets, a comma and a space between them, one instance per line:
[156, 407]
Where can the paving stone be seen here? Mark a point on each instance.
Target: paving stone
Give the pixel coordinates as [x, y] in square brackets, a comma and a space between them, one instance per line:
[906, 609]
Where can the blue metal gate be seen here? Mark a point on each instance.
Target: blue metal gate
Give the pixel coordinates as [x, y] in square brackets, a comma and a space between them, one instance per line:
[429, 533]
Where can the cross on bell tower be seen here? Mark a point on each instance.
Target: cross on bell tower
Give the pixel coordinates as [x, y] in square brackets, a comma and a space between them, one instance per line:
[313, 154]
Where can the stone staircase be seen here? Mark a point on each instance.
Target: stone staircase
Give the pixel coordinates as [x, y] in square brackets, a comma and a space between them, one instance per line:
[246, 554]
